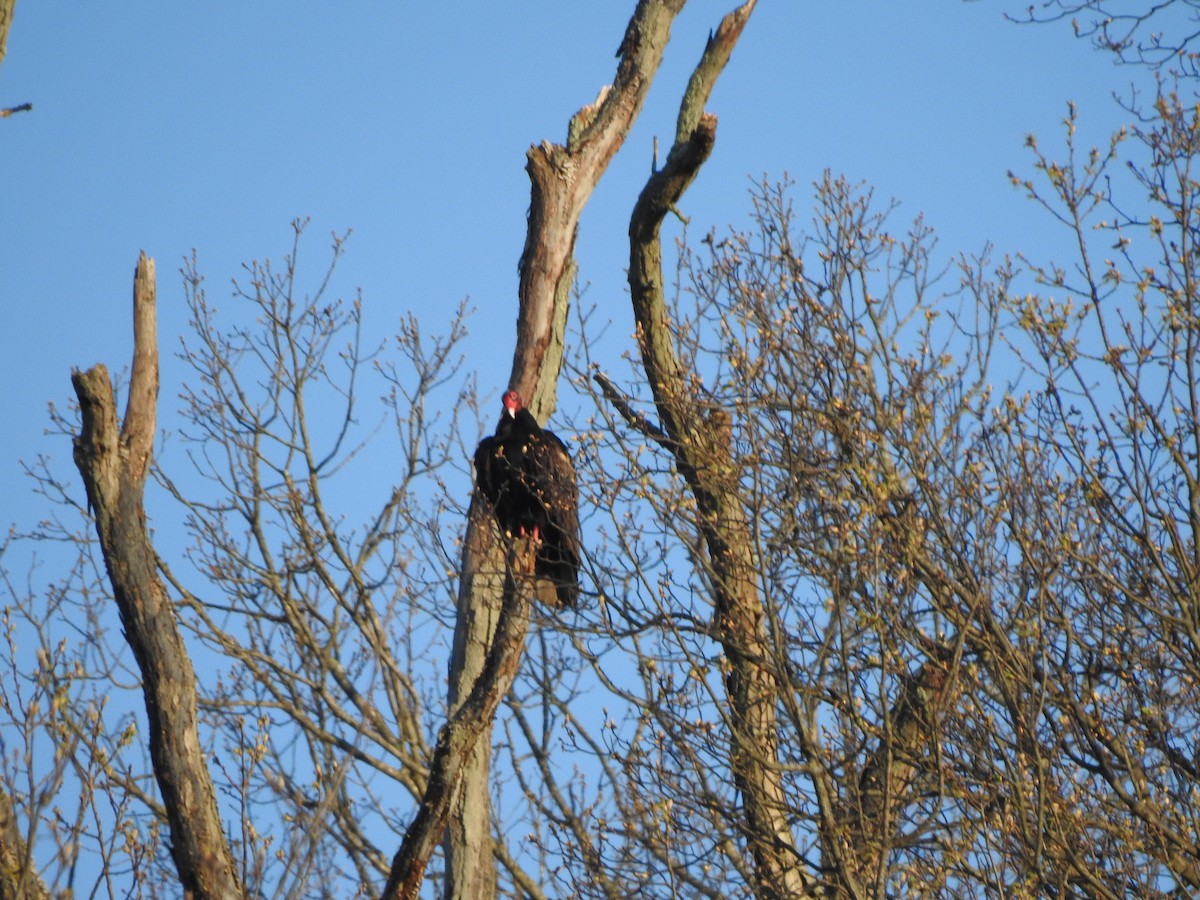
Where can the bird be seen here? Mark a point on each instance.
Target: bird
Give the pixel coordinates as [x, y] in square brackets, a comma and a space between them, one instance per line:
[526, 474]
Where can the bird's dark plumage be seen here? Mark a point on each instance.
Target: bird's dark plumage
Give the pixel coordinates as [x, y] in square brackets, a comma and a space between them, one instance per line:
[527, 475]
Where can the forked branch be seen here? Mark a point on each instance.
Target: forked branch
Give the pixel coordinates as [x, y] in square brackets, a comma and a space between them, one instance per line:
[114, 464]
[701, 440]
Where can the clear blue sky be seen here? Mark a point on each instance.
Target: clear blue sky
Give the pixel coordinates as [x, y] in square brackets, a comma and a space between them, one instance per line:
[168, 127]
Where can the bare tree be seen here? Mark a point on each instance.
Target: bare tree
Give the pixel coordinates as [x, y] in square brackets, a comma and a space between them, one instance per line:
[293, 613]
[1113, 343]
[894, 554]
[972, 589]
[1161, 35]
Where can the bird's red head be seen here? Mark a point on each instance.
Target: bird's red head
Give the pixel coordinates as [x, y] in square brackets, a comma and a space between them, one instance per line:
[512, 402]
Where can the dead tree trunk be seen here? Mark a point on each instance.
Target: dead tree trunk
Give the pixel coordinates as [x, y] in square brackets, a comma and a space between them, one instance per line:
[562, 179]
[114, 463]
[468, 846]
[698, 434]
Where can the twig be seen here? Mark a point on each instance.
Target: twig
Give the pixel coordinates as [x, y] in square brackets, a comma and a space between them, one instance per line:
[628, 413]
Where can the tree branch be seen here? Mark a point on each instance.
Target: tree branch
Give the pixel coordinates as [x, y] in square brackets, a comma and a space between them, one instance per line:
[701, 439]
[114, 465]
[7, 7]
[643, 425]
[562, 179]
[137, 432]
[459, 736]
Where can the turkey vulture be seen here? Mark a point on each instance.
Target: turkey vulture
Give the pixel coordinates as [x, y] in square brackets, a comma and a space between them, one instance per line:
[527, 475]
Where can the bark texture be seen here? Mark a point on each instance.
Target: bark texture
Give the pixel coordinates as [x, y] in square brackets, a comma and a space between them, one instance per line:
[699, 436]
[470, 871]
[114, 462]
